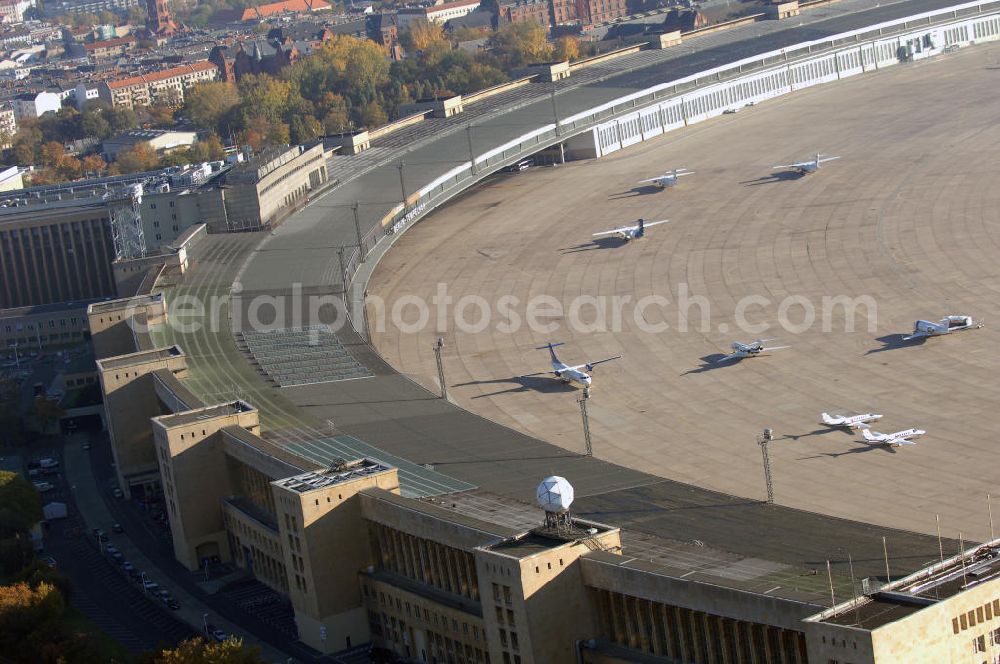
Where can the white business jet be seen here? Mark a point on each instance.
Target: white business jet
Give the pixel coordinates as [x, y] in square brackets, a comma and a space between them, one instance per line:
[892, 439]
[925, 328]
[850, 421]
[806, 167]
[632, 232]
[752, 349]
[567, 373]
[668, 179]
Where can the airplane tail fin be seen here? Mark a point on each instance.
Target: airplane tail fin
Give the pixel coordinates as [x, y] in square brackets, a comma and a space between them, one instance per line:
[827, 419]
[551, 348]
[869, 436]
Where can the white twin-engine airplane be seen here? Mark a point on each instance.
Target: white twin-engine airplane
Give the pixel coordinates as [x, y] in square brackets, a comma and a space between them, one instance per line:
[892, 439]
[850, 421]
[668, 179]
[632, 232]
[567, 373]
[806, 167]
[925, 328]
[752, 349]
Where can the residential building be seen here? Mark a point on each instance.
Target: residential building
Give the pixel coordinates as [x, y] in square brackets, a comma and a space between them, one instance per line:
[8, 125]
[44, 326]
[11, 179]
[440, 13]
[12, 11]
[35, 104]
[518, 11]
[88, 6]
[166, 86]
[110, 48]
[261, 12]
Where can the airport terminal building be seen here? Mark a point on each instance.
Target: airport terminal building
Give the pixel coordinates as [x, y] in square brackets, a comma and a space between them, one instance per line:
[461, 573]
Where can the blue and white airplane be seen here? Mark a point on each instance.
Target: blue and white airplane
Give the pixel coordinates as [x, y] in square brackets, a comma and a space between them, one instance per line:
[632, 232]
[570, 374]
[668, 179]
[850, 421]
[752, 349]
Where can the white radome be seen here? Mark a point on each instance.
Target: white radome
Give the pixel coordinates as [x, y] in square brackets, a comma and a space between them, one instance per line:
[554, 494]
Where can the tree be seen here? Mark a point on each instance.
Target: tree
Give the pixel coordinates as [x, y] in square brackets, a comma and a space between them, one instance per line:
[206, 104]
[209, 148]
[421, 34]
[93, 165]
[136, 159]
[108, 18]
[47, 412]
[52, 154]
[20, 505]
[136, 16]
[372, 115]
[264, 97]
[199, 651]
[518, 44]
[161, 115]
[121, 119]
[11, 423]
[567, 48]
[94, 123]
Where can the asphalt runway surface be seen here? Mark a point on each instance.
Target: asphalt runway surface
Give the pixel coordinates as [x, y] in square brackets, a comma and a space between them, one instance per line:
[908, 218]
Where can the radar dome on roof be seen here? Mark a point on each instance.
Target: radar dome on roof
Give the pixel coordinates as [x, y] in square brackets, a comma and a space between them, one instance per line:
[554, 494]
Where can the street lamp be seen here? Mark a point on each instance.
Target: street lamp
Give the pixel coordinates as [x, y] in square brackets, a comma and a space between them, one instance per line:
[204, 622]
[766, 437]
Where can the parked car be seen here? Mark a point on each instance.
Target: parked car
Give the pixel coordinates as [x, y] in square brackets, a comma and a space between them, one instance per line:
[118, 557]
[173, 604]
[86, 446]
[128, 567]
[219, 635]
[117, 528]
[117, 493]
[49, 560]
[522, 165]
[111, 549]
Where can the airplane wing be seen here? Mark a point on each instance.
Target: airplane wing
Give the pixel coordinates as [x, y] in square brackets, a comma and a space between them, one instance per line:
[617, 230]
[774, 348]
[591, 365]
[654, 223]
[828, 159]
[684, 172]
[537, 373]
[796, 165]
[725, 358]
[656, 179]
[916, 335]
[901, 441]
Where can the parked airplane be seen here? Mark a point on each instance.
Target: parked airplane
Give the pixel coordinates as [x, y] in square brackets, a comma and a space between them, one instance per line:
[892, 439]
[668, 179]
[567, 373]
[850, 421]
[925, 328]
[752, 349]
[632, 232]
[806, 167]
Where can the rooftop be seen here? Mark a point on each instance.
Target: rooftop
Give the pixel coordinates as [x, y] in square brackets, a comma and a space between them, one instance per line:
[124, 303]
[201, 414]
[141, 357]
[926, 587]
[163, 75]
[338, 475]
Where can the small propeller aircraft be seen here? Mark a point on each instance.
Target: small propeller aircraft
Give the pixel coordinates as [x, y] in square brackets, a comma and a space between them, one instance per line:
[925, 328]
[892, 439]
[806, 167]
[850, 421]
[752, 349]
[632, 232]
[567, 373]
[668, 179]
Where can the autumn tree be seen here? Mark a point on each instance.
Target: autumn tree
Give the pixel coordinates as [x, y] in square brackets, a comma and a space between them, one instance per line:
[48, 412]
[161, 115]
[52, 153]
[206, 104]
[566, 48]
[20, 504]
[136, 159]
[421, 34]
[519, 44]
[200, 651]
[93, 165]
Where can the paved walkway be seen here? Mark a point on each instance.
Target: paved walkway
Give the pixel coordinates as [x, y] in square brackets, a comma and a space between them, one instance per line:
[95, 514]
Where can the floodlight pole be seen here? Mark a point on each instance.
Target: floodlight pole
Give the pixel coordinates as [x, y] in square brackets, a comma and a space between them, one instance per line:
[357, 230]
[763, 440]
[440, 363]
[586, 421]
[472, 155]
[402, 183]
[555, 110]
[343, 271]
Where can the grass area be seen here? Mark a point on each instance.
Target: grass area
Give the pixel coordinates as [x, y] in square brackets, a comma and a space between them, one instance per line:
[107, 648]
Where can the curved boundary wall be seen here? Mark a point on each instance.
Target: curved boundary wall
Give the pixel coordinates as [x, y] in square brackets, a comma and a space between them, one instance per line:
[653, 111]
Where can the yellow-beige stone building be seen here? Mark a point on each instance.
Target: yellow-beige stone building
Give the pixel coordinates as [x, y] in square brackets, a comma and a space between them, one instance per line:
[474, 577]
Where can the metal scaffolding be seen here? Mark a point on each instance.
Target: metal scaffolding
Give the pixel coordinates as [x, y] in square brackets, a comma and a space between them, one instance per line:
[126, 223]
